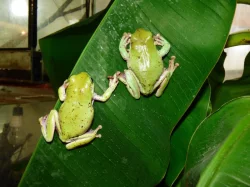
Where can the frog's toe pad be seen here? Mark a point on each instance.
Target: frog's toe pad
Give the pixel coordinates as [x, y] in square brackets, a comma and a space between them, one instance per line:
[98, 136]
[98, 128]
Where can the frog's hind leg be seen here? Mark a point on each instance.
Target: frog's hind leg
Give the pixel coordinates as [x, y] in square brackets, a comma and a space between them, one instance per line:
[48, 124]
[165, 77]
[159, 40]
[123, 45]
[83, 139]
[130, 80]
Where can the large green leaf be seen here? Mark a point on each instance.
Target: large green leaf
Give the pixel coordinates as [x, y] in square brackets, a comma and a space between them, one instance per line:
[210, 136]
[184, 130]
[230, 166]
[224, 92]
[134, 148]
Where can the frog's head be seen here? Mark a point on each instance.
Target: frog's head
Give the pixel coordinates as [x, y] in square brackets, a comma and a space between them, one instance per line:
[141, 35]
[81, 79]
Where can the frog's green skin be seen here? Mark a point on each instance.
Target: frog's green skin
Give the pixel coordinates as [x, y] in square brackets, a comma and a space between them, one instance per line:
[146, 71]
[76, 113]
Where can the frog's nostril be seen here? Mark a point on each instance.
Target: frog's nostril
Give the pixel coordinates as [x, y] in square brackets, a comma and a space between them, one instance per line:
[92, 79]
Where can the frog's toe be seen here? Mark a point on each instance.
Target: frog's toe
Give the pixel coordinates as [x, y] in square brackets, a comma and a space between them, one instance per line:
[98, 136]
[158, 42]
[43, 120]
[98, 128]
[157, 36]
[114, 76]
[113, 80]
[117, 73]
[173, 58]
[126, 38]
[127, 34]
[172, 64]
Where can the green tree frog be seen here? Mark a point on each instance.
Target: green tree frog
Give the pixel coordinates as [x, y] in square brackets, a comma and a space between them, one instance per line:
[145, 71]
[76, 112]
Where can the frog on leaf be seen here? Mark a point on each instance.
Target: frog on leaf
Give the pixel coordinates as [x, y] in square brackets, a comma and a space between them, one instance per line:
[76, 113]
[146, 71]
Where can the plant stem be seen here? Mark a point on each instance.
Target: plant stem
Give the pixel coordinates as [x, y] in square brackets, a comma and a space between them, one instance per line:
[243, 2]
[239, 38]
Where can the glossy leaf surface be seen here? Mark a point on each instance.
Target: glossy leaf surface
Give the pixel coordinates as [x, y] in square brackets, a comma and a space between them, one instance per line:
[183, 132]
[135, 143]
[210, 136]
[230, 166]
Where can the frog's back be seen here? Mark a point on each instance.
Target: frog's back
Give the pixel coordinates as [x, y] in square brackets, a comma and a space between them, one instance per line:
[80, 115]
[145, 61]
[77, 110]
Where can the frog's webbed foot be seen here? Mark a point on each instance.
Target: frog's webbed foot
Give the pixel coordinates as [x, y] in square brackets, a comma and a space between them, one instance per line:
[113, 82]
[129, 79]
[165, 77]
[159, 40]
[48, 123]
[62, 90]
[83, 139]
[172, 65]
[123, 45]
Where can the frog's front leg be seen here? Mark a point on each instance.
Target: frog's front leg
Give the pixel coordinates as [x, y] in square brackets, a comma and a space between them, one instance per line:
[62, 90]
[123, 45]
[159, 40]
[83, 139]
[131, 82]
[113, 82]
[165, 77]
[48, 124]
